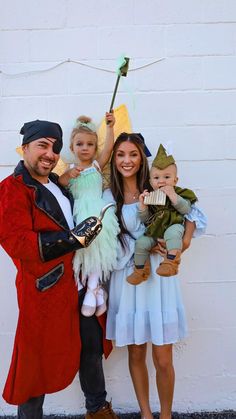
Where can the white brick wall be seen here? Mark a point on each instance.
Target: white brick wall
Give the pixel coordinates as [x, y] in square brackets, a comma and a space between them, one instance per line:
[189, 99]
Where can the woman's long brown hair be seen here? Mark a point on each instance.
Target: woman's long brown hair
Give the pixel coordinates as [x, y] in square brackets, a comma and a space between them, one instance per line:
[117, 185]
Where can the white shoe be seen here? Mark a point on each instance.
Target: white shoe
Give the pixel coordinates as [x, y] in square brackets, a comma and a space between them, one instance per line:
[89, 304]
[101, 298]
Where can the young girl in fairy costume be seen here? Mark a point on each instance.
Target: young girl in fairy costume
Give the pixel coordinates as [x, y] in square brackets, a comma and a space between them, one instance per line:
[92, 265]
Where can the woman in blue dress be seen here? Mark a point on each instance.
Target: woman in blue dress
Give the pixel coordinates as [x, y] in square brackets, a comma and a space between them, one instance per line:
[152, 311]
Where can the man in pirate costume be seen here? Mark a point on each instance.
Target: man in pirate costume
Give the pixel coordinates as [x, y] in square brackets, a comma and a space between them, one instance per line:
[163, 221]
[37, 231]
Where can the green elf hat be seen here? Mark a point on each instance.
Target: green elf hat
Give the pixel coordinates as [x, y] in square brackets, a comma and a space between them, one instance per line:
[162, 160]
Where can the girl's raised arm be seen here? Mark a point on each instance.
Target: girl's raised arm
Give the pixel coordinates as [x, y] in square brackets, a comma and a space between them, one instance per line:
[105, 154]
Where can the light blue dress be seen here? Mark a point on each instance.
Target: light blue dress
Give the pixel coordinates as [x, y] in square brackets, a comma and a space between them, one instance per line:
[100, 256]
[152, 311]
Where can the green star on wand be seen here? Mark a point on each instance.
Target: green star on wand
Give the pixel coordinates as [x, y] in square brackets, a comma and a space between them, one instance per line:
[121, 71]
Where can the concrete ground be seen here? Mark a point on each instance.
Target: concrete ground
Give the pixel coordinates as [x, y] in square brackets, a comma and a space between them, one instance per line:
[226, 414]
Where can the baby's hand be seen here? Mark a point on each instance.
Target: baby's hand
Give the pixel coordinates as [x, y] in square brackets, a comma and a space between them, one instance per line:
[142, 206]
[170, 192]
[110, 119]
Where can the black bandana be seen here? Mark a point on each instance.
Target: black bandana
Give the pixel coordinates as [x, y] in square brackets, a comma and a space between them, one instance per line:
[42, 129]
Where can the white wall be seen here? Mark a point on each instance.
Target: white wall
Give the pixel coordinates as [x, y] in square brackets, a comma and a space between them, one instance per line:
[189, 99]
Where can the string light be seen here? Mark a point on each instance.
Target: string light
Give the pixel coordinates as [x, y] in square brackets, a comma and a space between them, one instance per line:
[33, 72]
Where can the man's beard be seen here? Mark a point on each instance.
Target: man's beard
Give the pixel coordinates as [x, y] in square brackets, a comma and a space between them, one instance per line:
[42, 171]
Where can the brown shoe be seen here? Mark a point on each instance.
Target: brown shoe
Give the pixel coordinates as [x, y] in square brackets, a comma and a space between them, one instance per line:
[169, 267]
[106, 412]
[139, 275]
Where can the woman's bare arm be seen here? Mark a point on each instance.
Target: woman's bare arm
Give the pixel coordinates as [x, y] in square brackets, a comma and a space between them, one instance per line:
[188, 234]
[160, 246]
[105, 154]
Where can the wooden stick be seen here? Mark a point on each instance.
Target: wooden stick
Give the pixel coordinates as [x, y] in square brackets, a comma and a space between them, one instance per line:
[114, 93]
[123, 70]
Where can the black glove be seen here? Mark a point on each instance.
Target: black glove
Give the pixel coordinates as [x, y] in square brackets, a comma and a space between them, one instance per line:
[53, 244]
[87, 230]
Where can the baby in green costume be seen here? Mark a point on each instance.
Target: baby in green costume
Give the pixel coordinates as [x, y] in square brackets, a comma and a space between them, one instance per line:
[163, 221]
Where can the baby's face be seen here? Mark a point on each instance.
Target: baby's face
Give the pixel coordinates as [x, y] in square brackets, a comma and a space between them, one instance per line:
[164, 177]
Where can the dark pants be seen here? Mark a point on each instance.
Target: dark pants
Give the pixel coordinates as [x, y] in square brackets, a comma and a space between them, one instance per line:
[91, 373]
[32, 409]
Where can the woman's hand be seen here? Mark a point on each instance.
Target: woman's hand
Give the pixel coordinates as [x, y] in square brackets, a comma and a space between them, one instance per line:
[160, 248]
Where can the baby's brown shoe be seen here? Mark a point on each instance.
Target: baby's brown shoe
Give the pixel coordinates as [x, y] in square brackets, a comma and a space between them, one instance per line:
[140, 275]
[169, 267]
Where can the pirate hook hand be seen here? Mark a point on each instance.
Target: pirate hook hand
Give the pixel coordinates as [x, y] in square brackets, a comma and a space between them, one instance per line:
[87, 230]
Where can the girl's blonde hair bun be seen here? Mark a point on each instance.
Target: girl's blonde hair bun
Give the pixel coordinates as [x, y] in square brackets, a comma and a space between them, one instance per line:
[85, 124]
[83, 118]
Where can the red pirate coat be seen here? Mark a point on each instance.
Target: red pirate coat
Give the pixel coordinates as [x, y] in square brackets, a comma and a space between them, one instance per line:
[35, 234]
